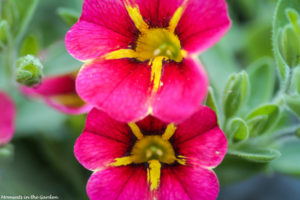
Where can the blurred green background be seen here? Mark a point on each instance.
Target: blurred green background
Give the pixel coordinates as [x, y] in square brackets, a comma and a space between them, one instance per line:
[43, 162]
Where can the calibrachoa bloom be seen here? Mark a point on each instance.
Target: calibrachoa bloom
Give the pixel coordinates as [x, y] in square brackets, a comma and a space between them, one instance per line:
[151, 159]
[7, 117]
[59, 92]
[137, 55]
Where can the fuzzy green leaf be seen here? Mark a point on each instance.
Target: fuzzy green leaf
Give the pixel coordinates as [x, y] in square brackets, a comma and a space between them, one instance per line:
[256, 155]
[238, 130]
[261, 72]
[281, 19]
[293, 103]
[296, 80]
[235, 93]
[211, 101]
[262, 119]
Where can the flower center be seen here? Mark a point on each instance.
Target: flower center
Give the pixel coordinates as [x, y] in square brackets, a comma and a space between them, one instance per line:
[157, 42]
[154, 45]
[154, 150]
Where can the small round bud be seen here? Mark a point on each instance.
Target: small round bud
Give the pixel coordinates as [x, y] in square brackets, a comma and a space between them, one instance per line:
[29, 71]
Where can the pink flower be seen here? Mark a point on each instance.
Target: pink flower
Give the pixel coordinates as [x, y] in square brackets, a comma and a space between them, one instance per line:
[59, 92]
[7, 117]
[151, 159]
[137, 55]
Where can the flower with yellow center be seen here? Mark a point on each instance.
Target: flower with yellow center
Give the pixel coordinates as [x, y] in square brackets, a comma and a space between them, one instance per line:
[154, 45]
[153, 150]
[150, 159]
[138, 55]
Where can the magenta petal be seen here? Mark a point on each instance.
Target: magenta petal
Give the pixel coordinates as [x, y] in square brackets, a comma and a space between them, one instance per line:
[184, 88]
[86, 40]
[7, 117]
[120, 183]
[186, 183]
[207, 149]
[52, 88]
[110, 14]
[203, 23]
[102, 140]
[151, 125]
[203, 120]
[118, 87]
[200, 139]
[157, 13]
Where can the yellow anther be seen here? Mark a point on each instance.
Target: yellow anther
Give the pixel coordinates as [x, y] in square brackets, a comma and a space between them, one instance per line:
[135, 15]
[170, 130]
[156, 69]
[153, 174]
[122, 161]
[176, 17]
[135, 130]
[181, 160]
[120, 54]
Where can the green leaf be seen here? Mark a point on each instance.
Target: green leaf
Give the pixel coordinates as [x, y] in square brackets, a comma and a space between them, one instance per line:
[9, 11]
[256, 155]
[280, 21]
[256, 125]
[261, 72]
[293, 103]
[264, 118]
[289, 161]
[211, 100]
[30, 46]
[235, 93]
[289, 45]
[4, 30]
[296, 80]
[238, 130]
[26, 9]
[69, 16]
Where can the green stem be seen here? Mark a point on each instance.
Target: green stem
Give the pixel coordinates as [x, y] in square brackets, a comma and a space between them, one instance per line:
[26, 21]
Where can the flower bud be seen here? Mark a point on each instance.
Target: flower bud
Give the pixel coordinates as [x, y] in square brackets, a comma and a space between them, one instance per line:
[29, 70]
[289, 40]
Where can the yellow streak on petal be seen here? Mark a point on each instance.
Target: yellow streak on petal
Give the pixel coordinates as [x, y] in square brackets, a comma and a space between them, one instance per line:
[120, 54]
[176, 17]
[153, 174]
[136, 17]
[184, 53]
[69, 100]
[122, 161]
[156, 68]
[170, 130]
[181, 160]
[135, 130]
